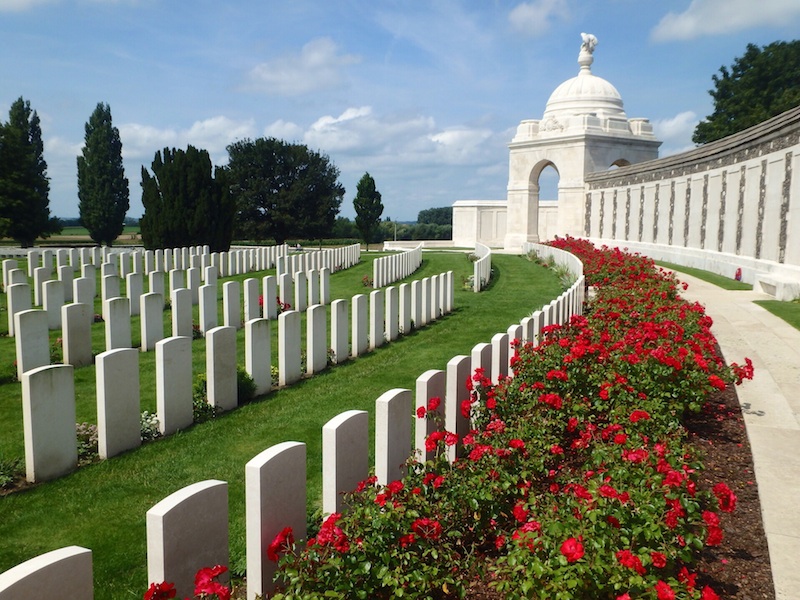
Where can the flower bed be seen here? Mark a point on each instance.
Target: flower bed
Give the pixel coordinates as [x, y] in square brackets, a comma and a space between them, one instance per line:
[576, 480]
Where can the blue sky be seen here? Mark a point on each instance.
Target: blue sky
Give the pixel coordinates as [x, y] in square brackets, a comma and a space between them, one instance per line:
[424, 95]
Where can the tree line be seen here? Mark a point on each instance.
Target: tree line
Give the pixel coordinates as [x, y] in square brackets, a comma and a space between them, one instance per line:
[271, 189]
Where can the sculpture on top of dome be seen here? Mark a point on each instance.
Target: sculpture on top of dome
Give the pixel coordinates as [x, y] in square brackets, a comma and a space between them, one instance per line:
[589, 42]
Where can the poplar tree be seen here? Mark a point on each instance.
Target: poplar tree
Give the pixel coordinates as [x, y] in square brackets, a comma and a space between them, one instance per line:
[24, 185]
[368, 208]
[103, 193]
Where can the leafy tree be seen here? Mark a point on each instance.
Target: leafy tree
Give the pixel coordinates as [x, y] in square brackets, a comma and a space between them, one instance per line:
[761, 84]
[369, 208]
[344, 228]
[24, 185]
[436, 216]
[185, 202]
[102, 187]
[282, 190]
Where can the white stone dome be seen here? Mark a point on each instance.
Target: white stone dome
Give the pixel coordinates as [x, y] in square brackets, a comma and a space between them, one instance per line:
[585, 94]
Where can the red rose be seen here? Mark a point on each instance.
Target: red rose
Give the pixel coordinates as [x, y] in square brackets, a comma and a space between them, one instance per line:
[714, 536]
[572, 549]
[428, 529]
[659, 560]
[280, 545]
[664, 591]
[628, 559]
[708, 594]
[421, 412]
[725, 497]
[160, 591]
[638, 415]
[434, 403]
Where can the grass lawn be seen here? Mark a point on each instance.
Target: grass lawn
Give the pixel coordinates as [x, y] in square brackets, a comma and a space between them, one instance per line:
[103, 506]
[718, 280]
[788, 311]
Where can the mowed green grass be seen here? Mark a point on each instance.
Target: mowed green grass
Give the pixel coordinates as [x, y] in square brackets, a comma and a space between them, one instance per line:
[726, 283]
[788, 311]
[103, 506]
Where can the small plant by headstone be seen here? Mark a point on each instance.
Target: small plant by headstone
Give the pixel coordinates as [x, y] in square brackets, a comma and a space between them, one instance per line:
[149, 427]
[87, 442]
[245, 386]
[10, 471]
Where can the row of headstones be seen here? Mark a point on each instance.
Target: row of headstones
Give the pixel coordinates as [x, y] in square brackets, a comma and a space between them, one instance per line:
[48, 391]
[75, 322]
[334, 259]
[177, 547]
[233, 262]
[388, 269]
[481, 268]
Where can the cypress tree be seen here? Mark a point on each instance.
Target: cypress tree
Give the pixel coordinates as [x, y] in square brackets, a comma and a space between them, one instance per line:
[103, 193]
[369, 208]
[24, 185]
[186, 202]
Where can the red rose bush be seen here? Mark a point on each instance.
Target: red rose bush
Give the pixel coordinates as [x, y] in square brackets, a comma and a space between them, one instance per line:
[575, 481]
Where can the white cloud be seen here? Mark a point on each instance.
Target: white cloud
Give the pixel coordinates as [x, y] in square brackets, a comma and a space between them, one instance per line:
[718, 17]
[460, 145]
[676, 132]
[213, 134]
[21, 5]
[318, 66]
[284, 130]
[536, 17]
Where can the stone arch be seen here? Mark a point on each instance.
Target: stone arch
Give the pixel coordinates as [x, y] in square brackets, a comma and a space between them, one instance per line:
[620, 162]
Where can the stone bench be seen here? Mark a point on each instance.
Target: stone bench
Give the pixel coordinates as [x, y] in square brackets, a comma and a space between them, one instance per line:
[780, 286]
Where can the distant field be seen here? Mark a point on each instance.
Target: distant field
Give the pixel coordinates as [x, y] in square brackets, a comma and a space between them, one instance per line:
[82, 232]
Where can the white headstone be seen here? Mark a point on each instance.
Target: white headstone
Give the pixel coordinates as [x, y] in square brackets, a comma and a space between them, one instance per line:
[32, 340]
[431, 384]
[174, 384]
[118, 414]
[392, 435]
[258, 353]
[316, 339]
[186, 531]
[48, 417]
[345, 457]
[65, 573]
[117, 323]
[271, 507]
[289, 347]
[76, 338]
[221, 386]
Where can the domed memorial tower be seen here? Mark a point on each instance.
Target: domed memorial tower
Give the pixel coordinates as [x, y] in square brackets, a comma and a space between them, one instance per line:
[584, 129]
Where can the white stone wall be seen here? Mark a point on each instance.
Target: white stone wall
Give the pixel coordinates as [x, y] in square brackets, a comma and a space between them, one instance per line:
[732, 204]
